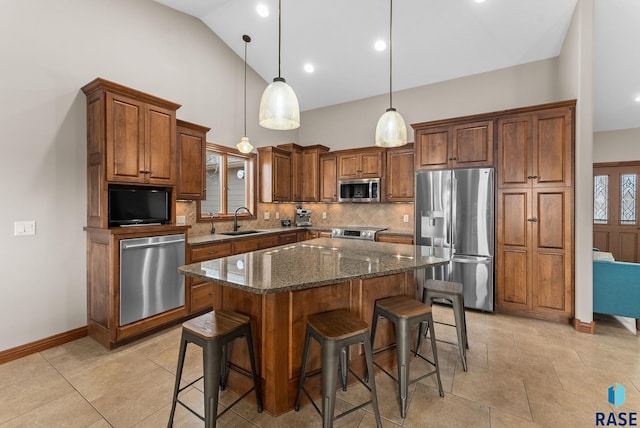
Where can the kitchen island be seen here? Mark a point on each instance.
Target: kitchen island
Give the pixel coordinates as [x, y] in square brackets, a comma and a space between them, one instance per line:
[280, 287]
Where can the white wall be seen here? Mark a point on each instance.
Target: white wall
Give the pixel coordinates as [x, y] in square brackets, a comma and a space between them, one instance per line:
[616, 146]
[353, 124]
[576, 81]
[50, 49]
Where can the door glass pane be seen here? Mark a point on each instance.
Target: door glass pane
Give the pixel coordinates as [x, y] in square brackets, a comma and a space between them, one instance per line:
[237, 182]
[628, 198]
[601, 199]
[213, 202]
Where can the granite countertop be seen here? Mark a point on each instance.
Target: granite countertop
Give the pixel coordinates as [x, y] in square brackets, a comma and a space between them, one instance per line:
[312, 263]
[220, 237]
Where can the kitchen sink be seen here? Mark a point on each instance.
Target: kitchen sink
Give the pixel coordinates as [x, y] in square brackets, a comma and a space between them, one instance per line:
[240, 232]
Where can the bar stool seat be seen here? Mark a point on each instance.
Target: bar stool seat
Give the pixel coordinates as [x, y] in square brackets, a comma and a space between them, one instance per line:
[453, 292]
[212, 332]
[335, 331]
[405, 312]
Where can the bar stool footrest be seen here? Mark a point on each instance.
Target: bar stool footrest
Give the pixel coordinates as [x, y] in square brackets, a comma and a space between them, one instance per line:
[346, 412]
[411, 380]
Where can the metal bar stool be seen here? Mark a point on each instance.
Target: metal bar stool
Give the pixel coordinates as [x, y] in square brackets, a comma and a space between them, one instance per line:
[452, 292]
[335, 331]
[405, 312]
[212, 332]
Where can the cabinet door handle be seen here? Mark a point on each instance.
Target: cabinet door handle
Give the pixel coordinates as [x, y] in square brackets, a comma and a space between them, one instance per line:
[144, 171]
[532, 177]
[213, 252]
[533, 220]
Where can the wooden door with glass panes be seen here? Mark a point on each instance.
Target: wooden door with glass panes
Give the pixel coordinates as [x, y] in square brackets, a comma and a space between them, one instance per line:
[616, 227]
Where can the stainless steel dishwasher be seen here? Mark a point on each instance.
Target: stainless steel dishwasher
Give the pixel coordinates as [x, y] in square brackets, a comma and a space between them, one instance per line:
[149, 280]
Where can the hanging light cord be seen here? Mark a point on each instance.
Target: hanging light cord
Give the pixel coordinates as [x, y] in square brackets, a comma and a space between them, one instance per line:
[391, 55]
[246, 39]
[279, 34]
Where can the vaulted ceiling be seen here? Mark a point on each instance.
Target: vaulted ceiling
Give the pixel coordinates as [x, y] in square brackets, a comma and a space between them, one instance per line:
[433, 41]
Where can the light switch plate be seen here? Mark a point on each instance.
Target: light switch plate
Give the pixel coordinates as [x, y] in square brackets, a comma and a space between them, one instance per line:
[24, 228]
[181, 220]
[405, 218]
[266, 216]
[277, 215]
[324, 215]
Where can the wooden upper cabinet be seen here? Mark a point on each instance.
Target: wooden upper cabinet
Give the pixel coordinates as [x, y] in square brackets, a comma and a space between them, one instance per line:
[360, 163]
[399, 175]
[450, 145]
[297, 169]
[328, 177]
[191, 160]
[140, 141]
[274, 165]
[310, 172]
[536, 149]
[305, 171]
[472, 144]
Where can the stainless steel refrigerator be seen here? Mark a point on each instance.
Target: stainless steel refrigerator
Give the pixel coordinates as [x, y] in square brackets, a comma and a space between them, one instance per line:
[455, 217]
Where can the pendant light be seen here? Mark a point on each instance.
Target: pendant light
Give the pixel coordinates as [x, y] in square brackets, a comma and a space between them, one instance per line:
[244, 145]
[279, 105]
[391, 130]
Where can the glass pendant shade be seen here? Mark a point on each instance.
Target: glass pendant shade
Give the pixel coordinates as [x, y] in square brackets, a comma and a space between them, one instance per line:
[391, 130]
[279, 107]
[244, 146]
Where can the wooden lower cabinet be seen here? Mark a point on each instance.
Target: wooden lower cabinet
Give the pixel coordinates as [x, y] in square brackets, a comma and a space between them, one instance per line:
[534, 260]
[199, 293]
[395, 239]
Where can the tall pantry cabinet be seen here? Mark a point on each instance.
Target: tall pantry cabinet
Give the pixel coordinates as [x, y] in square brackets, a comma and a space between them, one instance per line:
[535, 239]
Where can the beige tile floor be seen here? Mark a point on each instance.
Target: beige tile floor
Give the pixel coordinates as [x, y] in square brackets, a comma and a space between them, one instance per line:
[522, 373]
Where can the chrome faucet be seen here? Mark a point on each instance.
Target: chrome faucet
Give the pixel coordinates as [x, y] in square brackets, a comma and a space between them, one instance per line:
[235, 217]
[213, 228]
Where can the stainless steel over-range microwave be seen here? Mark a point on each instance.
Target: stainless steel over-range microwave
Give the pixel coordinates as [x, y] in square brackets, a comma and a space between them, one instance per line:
[359, 190]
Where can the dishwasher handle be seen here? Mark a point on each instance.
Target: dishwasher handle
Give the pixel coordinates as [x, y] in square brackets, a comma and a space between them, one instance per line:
[126, 246]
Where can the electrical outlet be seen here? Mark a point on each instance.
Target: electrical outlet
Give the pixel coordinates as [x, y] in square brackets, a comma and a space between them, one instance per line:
[277, 215]
[24, 228]
[181, 220]
[266, 216]
[405, 218]
[324, 215]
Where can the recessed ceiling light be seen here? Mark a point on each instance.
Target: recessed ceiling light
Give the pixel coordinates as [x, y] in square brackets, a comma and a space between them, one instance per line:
[380, 45]
[309, 68]
[637, 99]
[479, 1]
[262, 10]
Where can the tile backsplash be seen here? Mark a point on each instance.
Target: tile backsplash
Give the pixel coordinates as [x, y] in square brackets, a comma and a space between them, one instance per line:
[381, 214]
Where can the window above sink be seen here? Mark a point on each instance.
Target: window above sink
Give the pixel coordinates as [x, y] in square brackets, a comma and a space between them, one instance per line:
[230, 178]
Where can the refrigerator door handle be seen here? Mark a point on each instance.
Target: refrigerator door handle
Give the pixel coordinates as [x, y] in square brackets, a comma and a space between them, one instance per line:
[472, 259]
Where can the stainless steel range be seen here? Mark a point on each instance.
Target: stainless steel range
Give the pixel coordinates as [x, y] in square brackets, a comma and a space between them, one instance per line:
[367, 233]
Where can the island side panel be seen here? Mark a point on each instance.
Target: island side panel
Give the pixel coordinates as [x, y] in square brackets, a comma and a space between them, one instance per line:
[366, 293]
[251, 305]
[302, 304]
